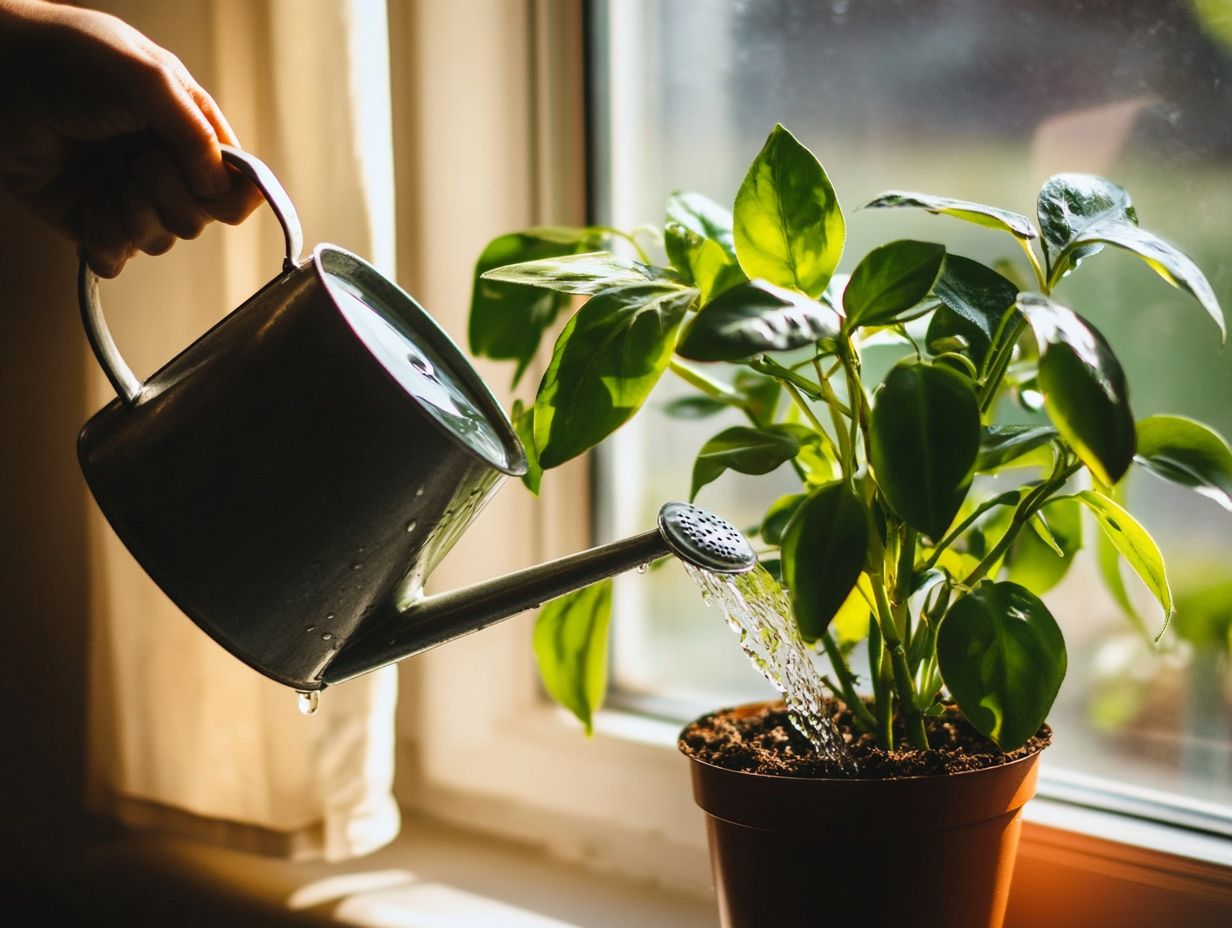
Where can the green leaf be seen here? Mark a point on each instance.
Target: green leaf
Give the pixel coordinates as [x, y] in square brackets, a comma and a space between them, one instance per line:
[524, 425]
[695, 407]
[761, 394]
[988, 216]
[711, 268]
[778, 515]
[507, 322]
[1084, 387]
[925, 435]
[1041, 557]
[850, 623]
[676, 244]
[1080, 213]
[1068, 204]
[703, 217]
[747, 451]
[1135, 545]
[755, 317]
[604, 365]
[1012, 445]
[823, 555]
[1189, 453]
[1002, 658]
[979, 296]
[588, 273]
[789, 228]
[890, 281]
[570, 645]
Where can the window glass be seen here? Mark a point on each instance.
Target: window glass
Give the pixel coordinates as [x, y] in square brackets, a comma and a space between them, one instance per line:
[980, 100]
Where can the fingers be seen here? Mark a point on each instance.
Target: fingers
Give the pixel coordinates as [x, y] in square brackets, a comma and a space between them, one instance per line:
[237, 204]
[179, 212]
[141, 221]
[104, 240]
[175, 117]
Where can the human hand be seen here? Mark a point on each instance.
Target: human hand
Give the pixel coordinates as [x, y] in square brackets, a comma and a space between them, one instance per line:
[107, 137]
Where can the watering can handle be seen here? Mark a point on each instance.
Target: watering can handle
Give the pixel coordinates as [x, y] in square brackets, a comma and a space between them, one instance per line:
[125, 382]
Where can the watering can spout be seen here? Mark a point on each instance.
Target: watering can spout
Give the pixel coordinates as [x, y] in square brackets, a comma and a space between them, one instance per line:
[694, 535]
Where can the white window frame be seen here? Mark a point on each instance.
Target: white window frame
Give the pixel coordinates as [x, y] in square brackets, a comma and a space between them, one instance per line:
[491, 137]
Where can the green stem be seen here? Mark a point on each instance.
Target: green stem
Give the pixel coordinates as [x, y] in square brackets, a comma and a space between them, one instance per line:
[695, 378]
[1000, 362]
[913, 719]
[1029, 505]
[628, 237]
[847, 682]
[855, 389]
[881, 699]
[1040, 277]
[962, 526]
[842, 454]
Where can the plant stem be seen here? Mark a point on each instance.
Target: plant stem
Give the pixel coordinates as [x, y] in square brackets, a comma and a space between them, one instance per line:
[695, 378]
[628, 237]
[1000, 360]
[1027, 507]
[858, 710]
[840, 454]
[962, 526]
[1040, 277]
[881, 699]
[855, 389]
[913, 720]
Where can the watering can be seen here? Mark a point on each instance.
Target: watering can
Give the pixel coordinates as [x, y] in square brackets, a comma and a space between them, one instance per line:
[291, 479]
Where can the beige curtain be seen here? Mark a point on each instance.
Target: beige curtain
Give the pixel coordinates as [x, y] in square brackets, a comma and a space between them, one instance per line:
[184, 737]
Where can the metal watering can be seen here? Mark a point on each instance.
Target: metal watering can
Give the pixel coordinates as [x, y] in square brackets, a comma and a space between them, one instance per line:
[291, 479]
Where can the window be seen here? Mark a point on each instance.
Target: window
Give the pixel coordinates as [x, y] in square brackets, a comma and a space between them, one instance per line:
[981, 100]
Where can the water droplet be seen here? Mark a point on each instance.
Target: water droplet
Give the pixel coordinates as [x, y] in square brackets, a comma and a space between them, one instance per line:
[420, 491]
[309, 628]
[308, 702]
[410, 526]
[326, 636]
[361, 549]
[328, 616]
[358, 565]
[642, 568]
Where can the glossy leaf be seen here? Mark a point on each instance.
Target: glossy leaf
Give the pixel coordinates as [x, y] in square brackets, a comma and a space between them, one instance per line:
[1080, 213]
[979, 295]
[747, 451]
[588, 273]
[703, 217]
[712, 270]
[1012, 445]
[1002, 657]
[1189, 453]
[977, 213]
[756, 317]
[778, 515]
[1084, 387]
[1043, 553]
[605, 363]
[925, 435]
[523, 418]
[1135, 545]
[570, 643]
[789, 228]
[850, 623]
[695, 407]
[890, 281]
[507, 321]
[823, 555]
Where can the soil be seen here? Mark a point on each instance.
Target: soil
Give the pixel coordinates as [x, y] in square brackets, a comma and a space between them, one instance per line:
[765, 741]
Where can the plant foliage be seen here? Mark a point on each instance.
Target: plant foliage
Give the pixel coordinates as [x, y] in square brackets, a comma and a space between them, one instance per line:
[897, 532]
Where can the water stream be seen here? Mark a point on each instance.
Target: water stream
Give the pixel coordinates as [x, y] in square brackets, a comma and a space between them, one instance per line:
[757, 610]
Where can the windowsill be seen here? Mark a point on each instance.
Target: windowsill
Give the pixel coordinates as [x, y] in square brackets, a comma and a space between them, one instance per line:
[431, 874]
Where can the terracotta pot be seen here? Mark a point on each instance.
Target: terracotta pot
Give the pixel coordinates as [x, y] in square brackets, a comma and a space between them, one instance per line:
[920, 851]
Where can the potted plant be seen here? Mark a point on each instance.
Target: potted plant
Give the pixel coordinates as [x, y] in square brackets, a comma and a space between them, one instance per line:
[922, 521]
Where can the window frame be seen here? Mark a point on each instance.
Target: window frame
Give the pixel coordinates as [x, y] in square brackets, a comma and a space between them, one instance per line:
[498, 757]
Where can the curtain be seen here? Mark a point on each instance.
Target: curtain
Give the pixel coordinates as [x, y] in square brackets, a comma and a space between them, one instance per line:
[185, 738]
